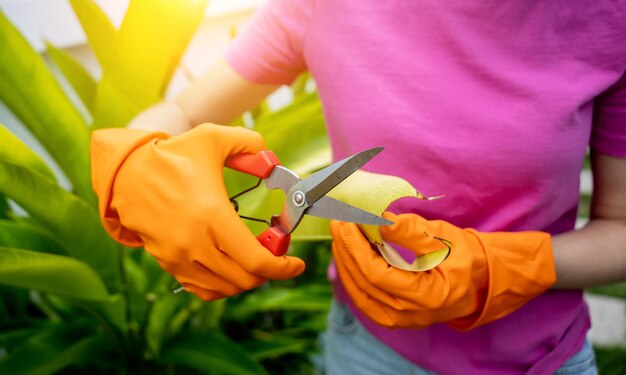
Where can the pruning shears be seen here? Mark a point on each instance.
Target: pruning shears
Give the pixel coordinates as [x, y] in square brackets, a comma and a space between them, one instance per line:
[303, 197]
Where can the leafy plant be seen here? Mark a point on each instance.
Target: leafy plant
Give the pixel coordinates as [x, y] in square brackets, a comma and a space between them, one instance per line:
[611, 360]
[70, 297]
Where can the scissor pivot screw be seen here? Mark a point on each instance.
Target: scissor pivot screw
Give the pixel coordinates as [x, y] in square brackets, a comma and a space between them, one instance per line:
[298, 198]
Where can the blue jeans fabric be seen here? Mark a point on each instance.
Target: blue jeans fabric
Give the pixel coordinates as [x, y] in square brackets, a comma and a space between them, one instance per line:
[350, 349]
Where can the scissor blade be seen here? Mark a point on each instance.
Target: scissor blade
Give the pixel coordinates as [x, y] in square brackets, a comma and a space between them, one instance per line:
[330, 208]
[281, 178]
[321, 182]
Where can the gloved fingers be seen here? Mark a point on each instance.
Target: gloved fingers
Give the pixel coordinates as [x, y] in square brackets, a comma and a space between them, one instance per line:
[413, 233]
[372, 265]
[403, 224]
[204, 294]
[197, 274]
[231, 139]
[378, 312]
[228, 269]
[368, 306]
[246, 250]
[346, 262]
[412, 290]
[427, 290]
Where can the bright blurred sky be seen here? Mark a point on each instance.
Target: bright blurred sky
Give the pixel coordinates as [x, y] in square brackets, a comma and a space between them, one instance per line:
[54, 20]
[116, 8]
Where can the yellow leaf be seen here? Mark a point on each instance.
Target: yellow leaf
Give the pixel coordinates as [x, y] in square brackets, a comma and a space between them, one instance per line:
[374, 193]
[143, 57]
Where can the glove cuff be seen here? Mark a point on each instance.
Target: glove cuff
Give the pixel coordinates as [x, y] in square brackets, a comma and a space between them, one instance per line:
[520, 267]
[109, 150]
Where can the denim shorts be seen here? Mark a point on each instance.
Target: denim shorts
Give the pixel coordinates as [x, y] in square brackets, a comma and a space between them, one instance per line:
[348, 348]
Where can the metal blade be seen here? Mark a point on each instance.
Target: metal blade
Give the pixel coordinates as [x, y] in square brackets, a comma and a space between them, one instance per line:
[321, 182]
[281, 178]
[284, 179]
[330, 208]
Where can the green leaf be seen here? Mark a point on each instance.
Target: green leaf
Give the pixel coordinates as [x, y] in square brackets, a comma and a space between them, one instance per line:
[298, 87]
[312, 228]
[30, 91]
[53, 349]
[14, 303]
[63, 276]
[304, 298]
[272, 345]
[614, 290]
[161, 314]
[81, 81]
[157, 280]
[610, 360]
[210, 315]
[315, 323]
[13, 150]
[22, 235]
[51, 273]
[113, 308]
[137, 288]
[98, 28]
[212, 353]
[12, 337]
[5, 209]
[147, 49]
[297, 134]
[74, 223]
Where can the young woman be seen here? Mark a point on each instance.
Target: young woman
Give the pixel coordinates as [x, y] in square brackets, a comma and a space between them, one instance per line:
[492, 103]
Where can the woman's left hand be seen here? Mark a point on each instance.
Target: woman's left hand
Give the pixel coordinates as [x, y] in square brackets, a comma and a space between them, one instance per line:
[485, 277]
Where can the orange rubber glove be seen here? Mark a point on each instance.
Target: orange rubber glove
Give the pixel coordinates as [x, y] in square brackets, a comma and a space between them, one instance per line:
[168, 194]
[485, 277]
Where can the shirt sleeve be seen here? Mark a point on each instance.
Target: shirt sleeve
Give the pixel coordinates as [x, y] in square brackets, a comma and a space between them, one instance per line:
[609, 128]
[270, 48]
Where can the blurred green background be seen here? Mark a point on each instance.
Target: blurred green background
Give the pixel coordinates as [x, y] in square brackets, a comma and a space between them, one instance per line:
[74, 301]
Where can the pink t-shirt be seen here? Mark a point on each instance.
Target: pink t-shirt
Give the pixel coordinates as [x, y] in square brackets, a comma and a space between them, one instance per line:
[492, 103]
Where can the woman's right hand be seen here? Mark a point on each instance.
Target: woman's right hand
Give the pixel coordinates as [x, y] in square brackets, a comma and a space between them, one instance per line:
[167, 193]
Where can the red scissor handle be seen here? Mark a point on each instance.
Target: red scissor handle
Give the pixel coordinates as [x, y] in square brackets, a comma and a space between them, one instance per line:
[275, 240]
[261, 165]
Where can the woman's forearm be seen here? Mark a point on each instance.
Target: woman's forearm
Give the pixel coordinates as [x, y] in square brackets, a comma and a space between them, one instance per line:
[166, 116]
[218, 96]
[594, 255]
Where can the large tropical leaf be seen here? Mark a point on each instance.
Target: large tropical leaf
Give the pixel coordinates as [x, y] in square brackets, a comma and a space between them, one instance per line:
[69, 218]
[297, 134]
[22, 235]
[304, 298]
[136, 290]
[30, 91]
[57, 274]
[98, 28]
[212, 353]
[265, 345]
[81, 81]
[169, 311]
[13, 150]
[147, 49]
[63, 276]
[161, 315]
[53, 349]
